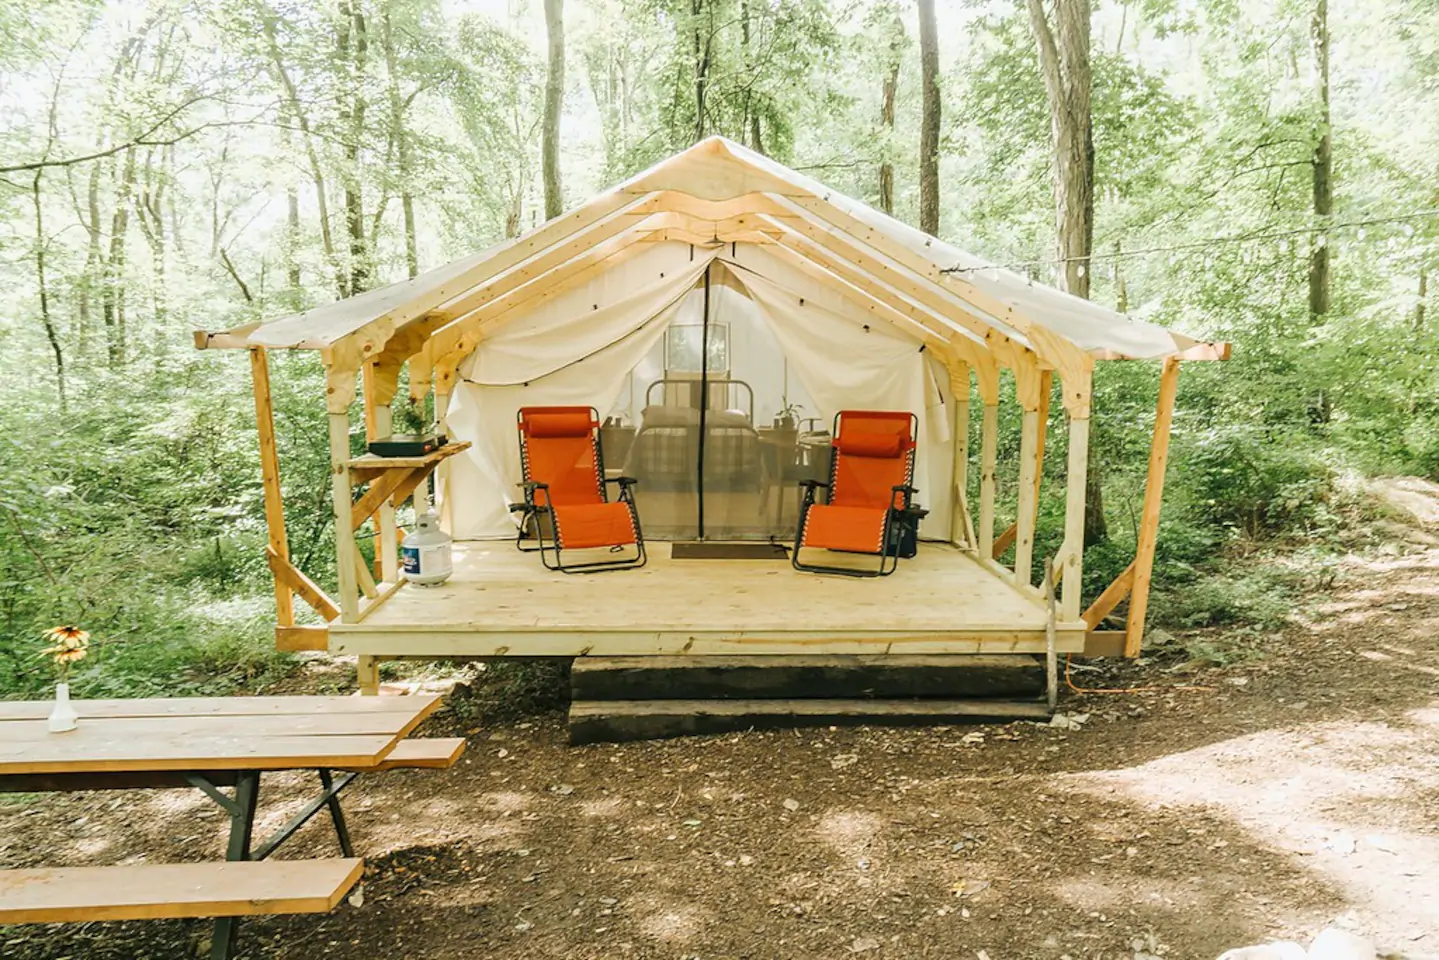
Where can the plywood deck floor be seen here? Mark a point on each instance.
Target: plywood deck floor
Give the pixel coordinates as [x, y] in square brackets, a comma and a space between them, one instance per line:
[502, 602]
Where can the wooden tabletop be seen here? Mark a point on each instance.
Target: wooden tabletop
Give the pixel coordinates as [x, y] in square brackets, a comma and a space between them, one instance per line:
[209, 733]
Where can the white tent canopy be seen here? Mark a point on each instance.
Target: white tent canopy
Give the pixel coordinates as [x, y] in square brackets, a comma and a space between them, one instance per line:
[851, 297]
[721, 192]
[801, 298]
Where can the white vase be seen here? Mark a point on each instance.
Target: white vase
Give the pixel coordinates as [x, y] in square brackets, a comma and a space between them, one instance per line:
[63, 718]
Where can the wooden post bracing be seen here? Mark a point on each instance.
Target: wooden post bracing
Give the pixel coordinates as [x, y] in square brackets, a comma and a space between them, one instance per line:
[270, 476]
[1028, 511]
[1149, 516]
[442, 473]
[988, 453]
[378, 419]
[368, 675]
[346, 554]
[1046, 381]
[961, 525]
[1072, 572]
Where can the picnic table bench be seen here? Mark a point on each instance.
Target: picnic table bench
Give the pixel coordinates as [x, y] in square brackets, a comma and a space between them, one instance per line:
[207, 744]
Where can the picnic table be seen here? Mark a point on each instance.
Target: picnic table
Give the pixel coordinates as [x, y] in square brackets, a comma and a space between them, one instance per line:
[209, 744]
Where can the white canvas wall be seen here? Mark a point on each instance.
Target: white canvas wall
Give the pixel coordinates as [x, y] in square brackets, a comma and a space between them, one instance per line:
[600, 343]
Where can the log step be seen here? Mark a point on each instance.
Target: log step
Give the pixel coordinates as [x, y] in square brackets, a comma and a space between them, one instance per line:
[878, 676]
[613, 721]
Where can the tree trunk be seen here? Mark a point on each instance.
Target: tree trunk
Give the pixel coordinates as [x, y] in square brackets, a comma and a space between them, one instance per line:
[148, 207]
[293, 112]
[751, 114]
[1419, 301]
[886, 116]
[1121, 288]
[402, 148]
[43, 288]
[1064, 63]
[113, 289]
[702, 65]
[1323, 168]
[1063, 45]
[554, 103]
[352, 48]
[93, 257]
[929, 122]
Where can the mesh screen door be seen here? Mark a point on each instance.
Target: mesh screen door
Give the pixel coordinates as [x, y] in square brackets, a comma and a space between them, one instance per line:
[714, 427]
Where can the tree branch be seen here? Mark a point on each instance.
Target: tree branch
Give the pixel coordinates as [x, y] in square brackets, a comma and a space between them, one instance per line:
[235, 274]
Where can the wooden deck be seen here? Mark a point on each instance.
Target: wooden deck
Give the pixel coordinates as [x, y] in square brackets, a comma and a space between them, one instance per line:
[503, 603]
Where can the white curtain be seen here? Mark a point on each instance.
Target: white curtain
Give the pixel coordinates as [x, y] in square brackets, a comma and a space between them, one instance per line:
[578, 347]
[573, 349]
[847, 359]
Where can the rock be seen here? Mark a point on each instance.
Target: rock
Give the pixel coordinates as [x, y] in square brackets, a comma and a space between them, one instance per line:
[861, 944]
[1336, 944]
[791, 805]
[1279, 950]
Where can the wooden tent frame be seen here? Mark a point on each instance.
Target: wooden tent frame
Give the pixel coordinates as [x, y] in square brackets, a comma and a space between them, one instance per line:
[716, 194]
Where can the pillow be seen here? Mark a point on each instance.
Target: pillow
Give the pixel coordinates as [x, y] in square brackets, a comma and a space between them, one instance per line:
[559, 424]
[885, 446]
[662, 416]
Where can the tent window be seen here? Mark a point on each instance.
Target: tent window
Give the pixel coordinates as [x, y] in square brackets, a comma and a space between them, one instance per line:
[682, 348]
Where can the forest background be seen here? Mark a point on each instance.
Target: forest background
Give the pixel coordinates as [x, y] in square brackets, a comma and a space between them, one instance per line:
[1264, 173]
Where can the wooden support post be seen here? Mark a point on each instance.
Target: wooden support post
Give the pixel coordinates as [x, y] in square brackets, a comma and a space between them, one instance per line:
[961, 525]
[988, 452]
[1074, 489]
[442, 473]
[346, 553]
[1028, 512]
[270, 476]
[1149, 516]
[368, 675]
[378, 418]
[1046, 380]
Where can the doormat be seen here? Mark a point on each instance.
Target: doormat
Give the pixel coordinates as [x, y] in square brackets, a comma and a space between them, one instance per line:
[728, 551]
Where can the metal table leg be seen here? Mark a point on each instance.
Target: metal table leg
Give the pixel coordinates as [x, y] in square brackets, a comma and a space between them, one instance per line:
[242, 829]
[242, 808]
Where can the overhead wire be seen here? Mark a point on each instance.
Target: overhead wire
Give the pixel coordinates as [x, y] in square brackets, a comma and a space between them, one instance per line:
[1324, 228]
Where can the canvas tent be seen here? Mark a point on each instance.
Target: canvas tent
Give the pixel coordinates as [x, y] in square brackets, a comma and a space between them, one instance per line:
[722, 268]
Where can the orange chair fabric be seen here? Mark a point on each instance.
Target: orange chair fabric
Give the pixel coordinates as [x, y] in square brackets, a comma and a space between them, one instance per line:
[873, 454]
[559, 447]
[559, 450]
[855, 529]
[578, 526]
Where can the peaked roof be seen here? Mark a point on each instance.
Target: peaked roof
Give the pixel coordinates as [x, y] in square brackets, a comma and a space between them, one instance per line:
[719, 192]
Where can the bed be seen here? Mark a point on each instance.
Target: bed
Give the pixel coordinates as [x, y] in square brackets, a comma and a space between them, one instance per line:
[665, 453]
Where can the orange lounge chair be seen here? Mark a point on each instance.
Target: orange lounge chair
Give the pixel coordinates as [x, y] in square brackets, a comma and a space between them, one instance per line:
[870, 492]
[565, 481]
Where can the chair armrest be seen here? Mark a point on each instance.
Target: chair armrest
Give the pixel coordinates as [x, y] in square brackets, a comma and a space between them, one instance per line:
[811, 484]
[530, 486]
[622, 481]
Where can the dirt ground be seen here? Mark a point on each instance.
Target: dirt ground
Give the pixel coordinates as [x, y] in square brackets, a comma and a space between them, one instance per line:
[1220, 807]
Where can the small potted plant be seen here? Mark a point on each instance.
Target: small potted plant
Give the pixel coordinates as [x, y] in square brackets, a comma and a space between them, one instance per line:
[68, 645]
[788, 416]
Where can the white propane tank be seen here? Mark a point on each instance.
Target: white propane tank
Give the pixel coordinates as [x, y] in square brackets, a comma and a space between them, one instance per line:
[425, 554]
